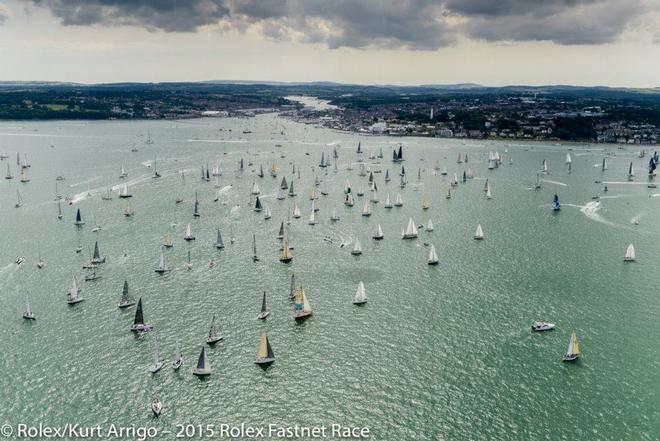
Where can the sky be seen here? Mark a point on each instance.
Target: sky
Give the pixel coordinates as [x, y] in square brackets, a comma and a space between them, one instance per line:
[407, 42]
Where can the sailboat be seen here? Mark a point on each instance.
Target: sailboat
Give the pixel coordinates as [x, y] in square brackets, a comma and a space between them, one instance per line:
[196, 206]
[388, 203]
[162, 268]
[556, 206]
[97, 258]
[126, 299]
[398, 201]
[255, 188]
[411, 230]
[123, 192]
[489, 194]
[312, 216]
[9, 175]
[334, 216]
[73, 295]
[273, 170]
[106, 196]
[296, 211]
[257, 205]
[255, 258]
[24, 176]
[537, 184]
[203, 367]
[122, 173]
[167, 241]
[28, 314]
[189, 264]
[349, 201]
[544, 167]
[448, 193]
[292, 192]
[631, 172]
[138, 322]
[156, 174]
[366, 208]
[178, 358]
[19, 199]
[357, 248]
[79, 222]
[158, 362]
[264, 312]
[40, 262]
[630, 254]
[604, 166]
[429, 226]
[219, 244]
[360, 297]
[569, 160]
[379, 234]
[286, 256]
[213, 337]
[425, 203]
[189, 236]
[301, 307]
[59, 210]
[479, 234]
[267, 213]
[573, 352]
[265, 356]
[433, 256]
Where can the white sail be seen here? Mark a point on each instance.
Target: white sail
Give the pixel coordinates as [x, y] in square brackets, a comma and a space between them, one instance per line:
[398, 202]
[267, 214]
[489, 194]
[334, 216]
[360, 295]
[379, 232]
[296, 211]
[630, 253]
[388, 203]
[411, 230]
[429, 225]
[569, 160]
[255, 188]
[479, 234]
[357, 248]
[433, 256]
[366, 208]
[312, 216]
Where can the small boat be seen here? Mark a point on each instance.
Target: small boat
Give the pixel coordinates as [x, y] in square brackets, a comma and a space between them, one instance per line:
[178, 358]
[349, 201]
[360, 297]
[301, 307]
[433, 256]
[448, 193]
[138, 325]
[296, 211]
[213, 337]
[489, 194]
[631, 172]
[398, 202]
[366, 208]
[97, 258]
[167, 241]
[28, 314]
[410, 231]
[158, 362]
[573, 352]
[334, 217]
[59, 210]
[189, 264]
[357, 248]
[265, 356]
[123, 174]
[479, 234]
[189, 236]
[255, 188]
[429, 226]
[9, 175]
[19, 260]
[78, 222]
[542, 326]
[255, 258]
[91, 276]
[425, 203]
[379, 234]
[257, 205]
[123, 192]
[73, 295]
[19, 199]
[604, 165]
[156, 406]
[126, 299]
[312, 216]
[388, 203]
[203, 367]
[556, 206]
[264, 312]
[267, 213]
[286, 256]
[162, 268]
[219, 244]
[196, 206]
[40, 262]
[630, 254]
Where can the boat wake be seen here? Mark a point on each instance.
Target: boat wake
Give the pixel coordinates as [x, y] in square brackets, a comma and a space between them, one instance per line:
[225, 189]
[554, 182]
[9, 269]
[591, 209]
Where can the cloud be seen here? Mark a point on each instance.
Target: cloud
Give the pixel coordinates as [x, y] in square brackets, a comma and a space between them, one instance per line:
[410, 24]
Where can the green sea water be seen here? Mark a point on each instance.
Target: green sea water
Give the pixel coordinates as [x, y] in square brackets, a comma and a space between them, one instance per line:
[437, 353]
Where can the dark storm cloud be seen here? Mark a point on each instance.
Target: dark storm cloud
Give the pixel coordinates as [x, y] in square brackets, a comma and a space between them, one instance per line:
[415, 24]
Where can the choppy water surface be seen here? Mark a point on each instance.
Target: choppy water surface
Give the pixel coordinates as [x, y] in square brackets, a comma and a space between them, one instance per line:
[440, 352]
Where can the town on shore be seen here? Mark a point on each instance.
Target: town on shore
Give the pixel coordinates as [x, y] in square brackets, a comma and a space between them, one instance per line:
[467, 111]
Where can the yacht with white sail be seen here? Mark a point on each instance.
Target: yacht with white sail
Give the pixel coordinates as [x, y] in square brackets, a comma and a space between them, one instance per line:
[162, 268]
[410, 232]
[264, 312]
[360, 297]
[189, 236]
[73, 295]
[213, 336]
[126, 299]
[573, 352]
[265, 356]
[479, 234]
[630, 254]
[158, 361]
[433, 256]
[178, 358]
[379, 234]
[28, 314]
[357, 248]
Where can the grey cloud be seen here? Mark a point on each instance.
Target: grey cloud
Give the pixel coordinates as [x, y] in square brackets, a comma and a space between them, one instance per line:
[413, 24]
[4, 15]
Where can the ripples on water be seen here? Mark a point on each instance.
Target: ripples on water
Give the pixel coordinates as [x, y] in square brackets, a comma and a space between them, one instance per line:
[437, 353]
